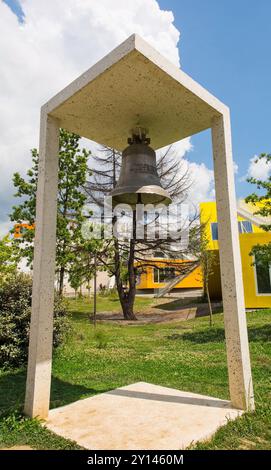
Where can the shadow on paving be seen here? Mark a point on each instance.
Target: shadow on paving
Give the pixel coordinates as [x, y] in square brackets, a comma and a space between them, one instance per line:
[187, 400]
[216, 335]
[12, 392]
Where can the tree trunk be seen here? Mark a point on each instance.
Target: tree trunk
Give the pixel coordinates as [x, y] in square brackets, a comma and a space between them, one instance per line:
[61, 280]
[126, 299]
[128, 310]
[131, 273]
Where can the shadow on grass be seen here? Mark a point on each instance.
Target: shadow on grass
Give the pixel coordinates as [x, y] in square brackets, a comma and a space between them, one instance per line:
[195, 307]
[12, 392]
[217, 335]
[212, 335]
[262, 333]
[178, 304]
[81, 316]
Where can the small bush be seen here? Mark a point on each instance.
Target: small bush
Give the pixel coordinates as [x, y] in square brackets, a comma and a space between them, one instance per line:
[62, 324]
[15, 313]
[110, 293]
[101, 339]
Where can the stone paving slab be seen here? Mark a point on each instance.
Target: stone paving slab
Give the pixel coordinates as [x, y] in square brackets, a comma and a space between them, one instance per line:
[141, 416]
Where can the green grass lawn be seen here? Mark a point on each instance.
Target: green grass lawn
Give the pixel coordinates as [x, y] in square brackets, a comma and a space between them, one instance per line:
[184, 355]
[106, 304]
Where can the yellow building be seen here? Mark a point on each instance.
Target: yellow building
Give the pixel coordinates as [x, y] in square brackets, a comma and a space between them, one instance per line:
[256, 274]
[160, 273]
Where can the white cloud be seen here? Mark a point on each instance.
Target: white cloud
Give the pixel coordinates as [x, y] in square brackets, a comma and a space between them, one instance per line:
[258, 169]
[235, 168]
[57, 42]
[178, 148]
[201, 178]
[202, 183]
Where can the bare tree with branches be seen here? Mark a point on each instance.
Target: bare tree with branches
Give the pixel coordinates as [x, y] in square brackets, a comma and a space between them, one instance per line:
[126, 258]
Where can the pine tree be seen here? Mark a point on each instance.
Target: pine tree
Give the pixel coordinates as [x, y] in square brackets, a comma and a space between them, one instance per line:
[73, 173]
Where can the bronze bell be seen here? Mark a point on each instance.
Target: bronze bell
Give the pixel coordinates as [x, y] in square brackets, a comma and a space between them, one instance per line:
[139, 181]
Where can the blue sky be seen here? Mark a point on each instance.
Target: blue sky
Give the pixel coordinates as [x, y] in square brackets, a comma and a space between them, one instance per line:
[15, 6]
[226, 46]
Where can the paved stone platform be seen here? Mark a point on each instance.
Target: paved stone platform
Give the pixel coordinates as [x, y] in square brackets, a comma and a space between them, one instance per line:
[141, 416]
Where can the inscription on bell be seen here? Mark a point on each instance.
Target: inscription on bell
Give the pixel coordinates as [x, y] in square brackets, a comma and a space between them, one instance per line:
[143, 168]
[139, 176]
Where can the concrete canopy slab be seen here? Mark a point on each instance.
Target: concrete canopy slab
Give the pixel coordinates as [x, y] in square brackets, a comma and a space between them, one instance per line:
[134, 85]
[141, 416]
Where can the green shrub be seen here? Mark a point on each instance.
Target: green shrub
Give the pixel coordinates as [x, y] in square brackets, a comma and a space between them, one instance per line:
[15, 312]
[110, 293]
[101, 339]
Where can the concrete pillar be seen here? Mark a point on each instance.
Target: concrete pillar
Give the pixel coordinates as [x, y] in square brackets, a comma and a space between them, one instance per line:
[239, 369]
[41, 329]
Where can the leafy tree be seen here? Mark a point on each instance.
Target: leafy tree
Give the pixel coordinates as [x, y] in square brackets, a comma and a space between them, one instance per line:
[73, 173]
[75, 279]
[83, 270]
[262, 203]
[206, 258]
[9, 257]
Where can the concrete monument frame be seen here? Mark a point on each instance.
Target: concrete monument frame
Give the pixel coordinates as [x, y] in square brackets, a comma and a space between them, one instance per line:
[134, 85]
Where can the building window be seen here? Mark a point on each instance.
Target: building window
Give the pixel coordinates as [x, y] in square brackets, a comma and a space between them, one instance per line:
[214, 229]
[156, 275]
[245, 226]
[263, 276]
[163, 274]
